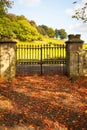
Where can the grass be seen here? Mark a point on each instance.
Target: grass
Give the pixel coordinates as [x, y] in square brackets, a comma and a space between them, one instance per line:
[45, 41]
[84, 46]
[51, 41]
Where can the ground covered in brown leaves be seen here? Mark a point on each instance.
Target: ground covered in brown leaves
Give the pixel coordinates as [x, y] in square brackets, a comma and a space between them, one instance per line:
[43, 103]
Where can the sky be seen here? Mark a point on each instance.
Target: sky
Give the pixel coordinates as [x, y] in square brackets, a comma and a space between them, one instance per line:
[52, 13]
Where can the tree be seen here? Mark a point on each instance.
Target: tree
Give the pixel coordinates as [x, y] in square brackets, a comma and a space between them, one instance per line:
[24, 31]
[46, 31]
[62, 34]
[51, 32]
[41, 30]
[56, 33]
[81, 12]
[4, 5]
[6, 29]
[12, 17]
[21, 17]
[33, 23]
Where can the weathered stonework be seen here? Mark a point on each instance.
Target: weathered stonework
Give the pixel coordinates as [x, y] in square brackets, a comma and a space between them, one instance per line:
[74, 60]
[84, 60]
[7, 59]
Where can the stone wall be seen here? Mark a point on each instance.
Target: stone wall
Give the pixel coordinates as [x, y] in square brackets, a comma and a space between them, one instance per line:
[7, 59]
[76, 57]
[83, 57]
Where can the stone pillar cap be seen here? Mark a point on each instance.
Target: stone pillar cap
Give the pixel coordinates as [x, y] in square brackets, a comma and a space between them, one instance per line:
[7, 42]
[74, 38]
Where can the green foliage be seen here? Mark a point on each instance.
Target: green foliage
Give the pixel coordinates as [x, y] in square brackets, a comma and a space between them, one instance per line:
[56, 33]
[60, 33]
[51, 32]
[21, 17]
[4, 5]
[6, 28]
[32, 22]
[46, 31]
[43, 29]
[12, 17]
[18, 27]
[24, 31]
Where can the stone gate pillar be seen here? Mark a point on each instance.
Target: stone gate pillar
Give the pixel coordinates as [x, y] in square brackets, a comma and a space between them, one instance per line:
[74, 61]
[7, 59]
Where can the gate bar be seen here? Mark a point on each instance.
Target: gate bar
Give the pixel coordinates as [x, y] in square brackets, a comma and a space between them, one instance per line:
[41, 62]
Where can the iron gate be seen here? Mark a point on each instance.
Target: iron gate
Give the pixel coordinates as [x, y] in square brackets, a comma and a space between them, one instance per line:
[41, 59]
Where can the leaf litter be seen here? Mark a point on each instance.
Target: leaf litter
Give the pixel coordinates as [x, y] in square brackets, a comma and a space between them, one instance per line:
[43, 103]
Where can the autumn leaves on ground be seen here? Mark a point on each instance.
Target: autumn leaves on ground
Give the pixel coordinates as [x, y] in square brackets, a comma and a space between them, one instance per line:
[43, 103]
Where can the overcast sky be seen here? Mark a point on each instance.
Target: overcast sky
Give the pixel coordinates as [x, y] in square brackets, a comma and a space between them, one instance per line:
[53, 13]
